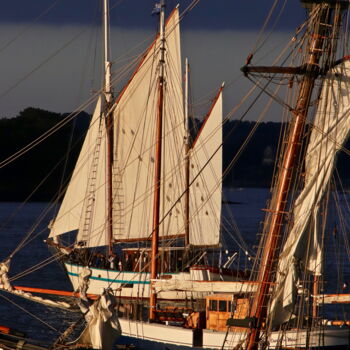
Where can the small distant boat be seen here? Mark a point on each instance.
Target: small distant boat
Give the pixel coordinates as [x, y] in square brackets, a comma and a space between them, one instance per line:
[231, 202]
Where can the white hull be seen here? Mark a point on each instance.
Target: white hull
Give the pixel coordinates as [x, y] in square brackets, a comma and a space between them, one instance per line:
[159, 334]
[128, 284]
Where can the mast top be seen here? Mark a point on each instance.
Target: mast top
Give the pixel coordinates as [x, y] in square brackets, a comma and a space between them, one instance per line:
[107, 62]
[331, 3]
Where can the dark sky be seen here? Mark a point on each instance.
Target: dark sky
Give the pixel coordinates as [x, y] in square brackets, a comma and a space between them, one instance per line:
[46, 68]
[213, 14]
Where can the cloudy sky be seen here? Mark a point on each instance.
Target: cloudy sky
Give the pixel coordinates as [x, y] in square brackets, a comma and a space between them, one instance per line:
[50, 49]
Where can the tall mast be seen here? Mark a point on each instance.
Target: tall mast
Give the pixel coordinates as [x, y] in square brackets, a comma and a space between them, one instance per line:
[319, 32]
[107, 91]
[107, 63]
[158, 158]
[187, 168]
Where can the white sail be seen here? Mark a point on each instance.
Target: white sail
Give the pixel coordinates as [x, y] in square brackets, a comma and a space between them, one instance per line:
[173, 183]
[72, 213]
[103, 327]
[330, 131]
[206, 180]
[93, 224]
[135, 117]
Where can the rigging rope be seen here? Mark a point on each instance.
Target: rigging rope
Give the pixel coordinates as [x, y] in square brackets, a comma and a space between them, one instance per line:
[257, 45]
[47, 133]
[36, 19]
[71, 116]
[35, 69]
[215, 152]
[1, 164]
[29, 313]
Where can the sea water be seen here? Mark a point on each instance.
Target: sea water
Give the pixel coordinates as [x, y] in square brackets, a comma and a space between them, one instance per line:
[39, 322]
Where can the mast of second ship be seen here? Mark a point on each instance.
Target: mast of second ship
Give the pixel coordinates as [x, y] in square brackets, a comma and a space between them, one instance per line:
[158, 158]
[108, 97]
[187, 161]
[319, 34]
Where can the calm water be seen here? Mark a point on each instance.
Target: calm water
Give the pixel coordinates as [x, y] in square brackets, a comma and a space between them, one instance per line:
[245, 204]
[14, 311]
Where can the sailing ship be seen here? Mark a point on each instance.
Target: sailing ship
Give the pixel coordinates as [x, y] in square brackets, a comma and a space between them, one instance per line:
[138, 179]
[132, 182]
[285, 306]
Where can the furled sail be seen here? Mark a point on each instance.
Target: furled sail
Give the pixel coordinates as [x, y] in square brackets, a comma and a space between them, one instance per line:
[206, 179]
[103, 327]
[84, 205]
[135, 117]
[303, 247]
[238, 287]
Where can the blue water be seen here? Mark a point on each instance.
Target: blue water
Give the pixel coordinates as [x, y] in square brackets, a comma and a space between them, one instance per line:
[14, 311]
[247, 212]
[246, 207]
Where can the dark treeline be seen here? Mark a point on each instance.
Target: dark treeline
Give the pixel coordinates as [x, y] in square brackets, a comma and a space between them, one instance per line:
[253, 168]
[255, 164]
[22, 176]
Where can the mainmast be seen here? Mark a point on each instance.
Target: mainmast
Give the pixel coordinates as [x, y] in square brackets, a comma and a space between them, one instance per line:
[107, 91]
[319, 33]
[187, 150]
[158, 158]
[107, 63]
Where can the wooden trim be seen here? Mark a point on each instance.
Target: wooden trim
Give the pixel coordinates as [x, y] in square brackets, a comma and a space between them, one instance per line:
[53, 292]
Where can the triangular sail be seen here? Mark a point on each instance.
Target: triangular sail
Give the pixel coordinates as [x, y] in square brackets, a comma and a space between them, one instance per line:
[206, 180]
[85, 194]
[330, 131]
[135, 119]
[93, 223]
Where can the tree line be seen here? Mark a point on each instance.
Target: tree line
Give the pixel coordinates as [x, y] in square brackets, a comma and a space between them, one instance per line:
[48, 166]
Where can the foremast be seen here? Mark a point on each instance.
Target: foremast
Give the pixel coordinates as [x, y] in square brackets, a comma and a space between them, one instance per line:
[108, 97]
[158, 159]
[319, 34]
[107, 62]
[187, 160]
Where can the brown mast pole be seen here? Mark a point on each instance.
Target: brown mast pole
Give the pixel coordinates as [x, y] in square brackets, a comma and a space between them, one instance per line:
[157, 178]
[187, 160]
[273, 239]
[109, 126]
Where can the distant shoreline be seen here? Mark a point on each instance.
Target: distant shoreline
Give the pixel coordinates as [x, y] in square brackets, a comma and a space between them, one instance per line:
[253, 169]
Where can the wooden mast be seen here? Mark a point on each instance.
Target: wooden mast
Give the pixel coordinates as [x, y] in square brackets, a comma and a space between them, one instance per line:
[107, 91]
[158, 158]
[187, 167]
[107, 63]
[273, 236]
